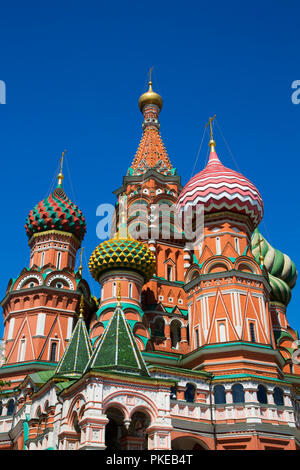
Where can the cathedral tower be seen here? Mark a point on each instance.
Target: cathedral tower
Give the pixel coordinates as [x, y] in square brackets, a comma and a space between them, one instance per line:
[40, 306]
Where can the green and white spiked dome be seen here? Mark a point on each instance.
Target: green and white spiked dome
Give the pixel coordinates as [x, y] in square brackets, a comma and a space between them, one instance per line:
[56, 212]
[281, 269]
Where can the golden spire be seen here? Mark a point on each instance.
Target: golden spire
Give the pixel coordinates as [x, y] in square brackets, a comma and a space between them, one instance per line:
[119, 294]
[60, 176]
[81, 267]
[212, 143]
[150, 97]
[81, 307]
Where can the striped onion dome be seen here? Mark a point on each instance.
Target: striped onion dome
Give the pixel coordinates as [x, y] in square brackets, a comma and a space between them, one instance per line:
[220, 189]
[281, 269]
[56, 212]
[122, 252]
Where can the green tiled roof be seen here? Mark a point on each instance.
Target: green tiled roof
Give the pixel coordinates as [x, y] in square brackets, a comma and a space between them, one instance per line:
[77, 353]
[117, 349]
[41, 377]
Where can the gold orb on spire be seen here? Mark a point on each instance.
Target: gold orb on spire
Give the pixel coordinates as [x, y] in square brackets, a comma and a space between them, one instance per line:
[60, 176]
[211, 143]
[150, 97]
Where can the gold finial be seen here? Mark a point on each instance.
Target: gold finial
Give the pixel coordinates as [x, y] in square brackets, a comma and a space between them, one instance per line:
[81, 267]
[212, 143]
[119, 294]
[81, 307]
[150, 97]
[60, 176]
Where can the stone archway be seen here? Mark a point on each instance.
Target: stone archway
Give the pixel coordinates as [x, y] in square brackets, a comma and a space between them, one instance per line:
[137, 433]
[188, 443]
[114, 429]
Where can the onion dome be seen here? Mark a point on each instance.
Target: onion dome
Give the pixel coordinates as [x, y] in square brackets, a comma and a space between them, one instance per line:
[221, 189]
[281, 269]
[150, 97]
[56, 212]
[122, 252]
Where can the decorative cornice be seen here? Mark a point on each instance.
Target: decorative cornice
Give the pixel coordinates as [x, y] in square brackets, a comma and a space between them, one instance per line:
[225, 274]
[48, 233]
[151, 173]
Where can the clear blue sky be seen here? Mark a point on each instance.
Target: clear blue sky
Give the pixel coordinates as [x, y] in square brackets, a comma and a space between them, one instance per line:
[74, 71]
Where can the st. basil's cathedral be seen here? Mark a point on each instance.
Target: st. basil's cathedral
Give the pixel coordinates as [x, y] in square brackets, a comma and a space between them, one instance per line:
[186, 348]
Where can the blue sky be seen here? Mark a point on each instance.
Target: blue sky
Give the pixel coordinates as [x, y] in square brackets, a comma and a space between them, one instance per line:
[74, 71]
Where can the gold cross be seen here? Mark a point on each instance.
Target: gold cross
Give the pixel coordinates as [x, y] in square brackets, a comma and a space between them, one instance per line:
[62, 160]
[209, 123]
[150, 72]
[260, 241]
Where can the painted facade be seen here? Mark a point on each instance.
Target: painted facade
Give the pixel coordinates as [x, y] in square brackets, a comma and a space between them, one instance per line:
[188, 346]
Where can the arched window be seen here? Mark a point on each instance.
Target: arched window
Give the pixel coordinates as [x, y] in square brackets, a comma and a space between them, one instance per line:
[237, 245]
[53, 351]
[76, 425]
[190, 393]
[222, 333]
[219, 394]
[58, 260]
[175, 333]
[10, 407]
[218, 246]
[114, 290]
[22, 350]
[42, 259]
[169, 272]
[197, 337]
[238, 394]
[262, 394]
[173, 393]
[252, 332]
[278, 396]
[130, 290]
[159, 327]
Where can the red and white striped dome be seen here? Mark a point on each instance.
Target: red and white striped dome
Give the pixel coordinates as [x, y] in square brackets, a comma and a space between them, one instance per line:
[222, 189]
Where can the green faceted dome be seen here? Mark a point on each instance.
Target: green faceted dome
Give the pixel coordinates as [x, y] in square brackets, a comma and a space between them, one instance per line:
[281, 269]
[122, 252]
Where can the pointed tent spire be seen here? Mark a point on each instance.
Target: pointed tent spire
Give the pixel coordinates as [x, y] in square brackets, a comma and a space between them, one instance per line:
[78, 352]
[151, 152]
[117, 350]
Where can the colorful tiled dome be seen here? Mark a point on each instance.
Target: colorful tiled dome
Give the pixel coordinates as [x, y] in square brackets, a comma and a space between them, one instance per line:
[220, 189]
[281, 269]
[121, 252]
[56, 212]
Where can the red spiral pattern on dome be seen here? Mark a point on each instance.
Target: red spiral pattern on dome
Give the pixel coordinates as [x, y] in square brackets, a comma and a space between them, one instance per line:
[221, 189]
